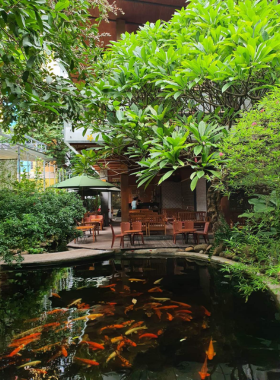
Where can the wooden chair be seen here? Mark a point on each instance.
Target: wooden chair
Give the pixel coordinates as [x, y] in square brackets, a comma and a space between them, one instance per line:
[121, 236]
[203, 233]
[177, 226]
[137, 226]
[125, 226]
[189, 224]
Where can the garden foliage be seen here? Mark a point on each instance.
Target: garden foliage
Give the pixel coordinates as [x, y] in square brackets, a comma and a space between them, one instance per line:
[154, 88]
[32, 221]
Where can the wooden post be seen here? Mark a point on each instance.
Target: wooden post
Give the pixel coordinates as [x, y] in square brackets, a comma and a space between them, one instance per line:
[124, 197]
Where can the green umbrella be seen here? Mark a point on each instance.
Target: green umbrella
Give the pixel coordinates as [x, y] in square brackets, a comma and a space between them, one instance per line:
[84, 181]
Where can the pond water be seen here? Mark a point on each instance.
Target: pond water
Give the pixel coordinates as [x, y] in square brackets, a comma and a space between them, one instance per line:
[134, 319]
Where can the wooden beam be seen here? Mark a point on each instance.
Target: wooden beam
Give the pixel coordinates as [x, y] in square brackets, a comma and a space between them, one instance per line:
[124, 197]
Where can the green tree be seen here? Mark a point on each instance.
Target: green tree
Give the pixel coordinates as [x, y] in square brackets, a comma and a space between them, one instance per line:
[35, 36]
[163, 94]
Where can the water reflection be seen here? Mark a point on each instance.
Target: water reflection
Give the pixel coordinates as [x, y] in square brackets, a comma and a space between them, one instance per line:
[101, 302]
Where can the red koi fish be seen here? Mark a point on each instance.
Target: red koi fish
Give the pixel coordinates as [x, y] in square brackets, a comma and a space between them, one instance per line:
[86, 361]
[13, 353]
[203, 372]
[169, 316]
[56, 295]
[181, 303]
[158, 313]
[107, 286]
[147, 335]
[206, 312]
[210, 353]
[93, 345]
[84, 306]
[155, 290]
[128, 308]
[64, 351]
[30, 337]
[167, 307]
[130, 342]
[183, 311]
[111, 327]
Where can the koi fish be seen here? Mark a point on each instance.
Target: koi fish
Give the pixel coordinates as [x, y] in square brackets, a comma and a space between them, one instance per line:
[79, 300]
[21, 340]
[137, 280]
[204, 325]
[206, 312]
[56, 295]
[135, 329]
[111, 356]
[130, 342]
[126, 288]
[93, 345]
[47, 347]
[137, 324]
[55, 356]
[149, 305]
[158, 313]
[203, 372]
[64, 351]
[32, 320]
[160, 332]
[120, 345]
[125, 362]
[41, 371]
[117, 339]
[169, 316]
[28, 364]
[184, 318]
[183, 311]
[113, 289]
[54, 311]
[111, 327]
[181, 303]
[148, 335]
[107, 286]
[31, 331]
[14, 352]
[83, 306]
[128, 308]
[210, 353]
[166, 307]
[51, 325]
[158, 281]
[88, 316]
[86, 361]
[155, 290]
[160, 299]
[127, 323]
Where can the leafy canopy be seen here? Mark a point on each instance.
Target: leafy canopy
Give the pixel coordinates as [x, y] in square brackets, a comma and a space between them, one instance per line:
[37, 37]
[155, 87]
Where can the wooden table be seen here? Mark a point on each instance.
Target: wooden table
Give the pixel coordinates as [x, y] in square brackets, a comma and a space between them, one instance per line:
[92, 226]
[188, 231]
[131, 233]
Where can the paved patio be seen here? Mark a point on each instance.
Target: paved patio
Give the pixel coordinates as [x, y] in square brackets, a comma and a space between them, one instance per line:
[104, 240]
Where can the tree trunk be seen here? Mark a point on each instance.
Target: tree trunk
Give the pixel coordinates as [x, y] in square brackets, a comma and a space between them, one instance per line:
[214, 210]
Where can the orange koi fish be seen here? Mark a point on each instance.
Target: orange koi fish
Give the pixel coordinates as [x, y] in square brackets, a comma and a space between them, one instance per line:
[55, 356]
[206, 312]
[125, 362]
[181, 303]
[184, 318]
[111, 303]
[203, 372]
[31, 331]
[113, 289]
[126, 288]
[26, 338]
[86, 361]
[117, 339]
[13, 353]
[107, 286]
[54, 311]
[56, 295]
[160, 332]
[148, 335]
[64, 351]
[158, 313]
[127, 323]
[93, 345]
[84, 306]
[47, 347]
[120, 345]
[166, 307]
[40, 371]
[210, 353]
[32, 320]
[169, 316]
[130, 342]
[155, 290]
[128, 308]
[51, 325]
[111, 327]
[183, 311]
[137, 324]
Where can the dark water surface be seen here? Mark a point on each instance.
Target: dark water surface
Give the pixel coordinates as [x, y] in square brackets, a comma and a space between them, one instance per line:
[37, 303]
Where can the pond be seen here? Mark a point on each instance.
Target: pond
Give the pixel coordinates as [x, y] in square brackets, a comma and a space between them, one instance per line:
[135, 319]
